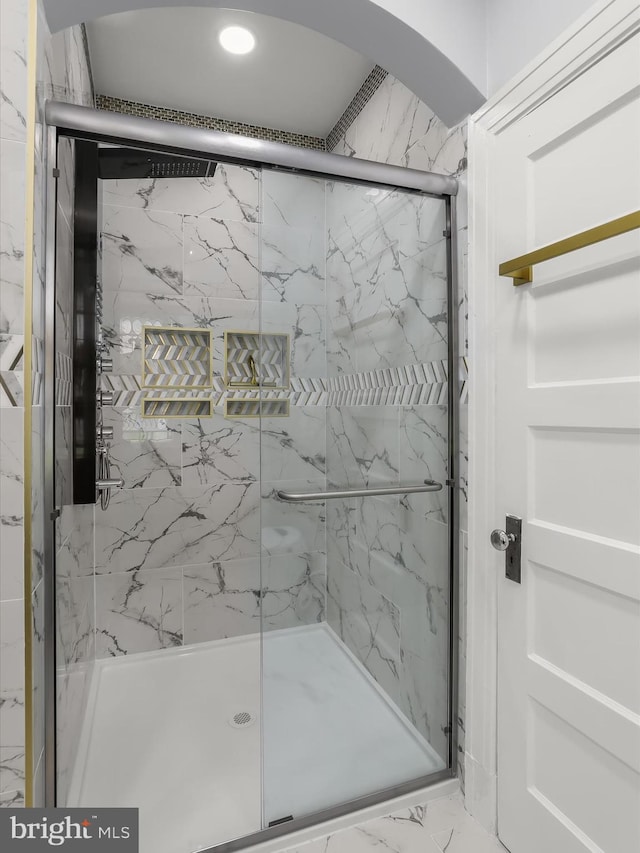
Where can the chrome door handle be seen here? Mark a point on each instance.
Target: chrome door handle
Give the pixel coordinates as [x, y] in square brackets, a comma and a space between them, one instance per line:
[510, 541]
[501, 540]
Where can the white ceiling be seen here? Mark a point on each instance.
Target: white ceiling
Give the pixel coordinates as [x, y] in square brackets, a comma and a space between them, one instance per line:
[295, 79]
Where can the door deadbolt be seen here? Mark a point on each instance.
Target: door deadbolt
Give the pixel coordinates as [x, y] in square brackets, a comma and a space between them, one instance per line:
[509, 541]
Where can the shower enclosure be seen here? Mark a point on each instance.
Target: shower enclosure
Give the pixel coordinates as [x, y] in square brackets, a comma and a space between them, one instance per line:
[252, 358]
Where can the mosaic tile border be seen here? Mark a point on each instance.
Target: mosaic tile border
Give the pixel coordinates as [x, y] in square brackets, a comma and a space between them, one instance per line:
[351, 113]
[134, 108]
[356, 105]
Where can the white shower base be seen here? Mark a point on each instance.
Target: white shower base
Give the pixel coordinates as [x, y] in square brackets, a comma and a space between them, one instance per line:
[157, 735]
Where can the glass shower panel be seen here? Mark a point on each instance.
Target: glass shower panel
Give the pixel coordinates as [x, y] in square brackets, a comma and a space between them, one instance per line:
[158, 592]
[355, 588]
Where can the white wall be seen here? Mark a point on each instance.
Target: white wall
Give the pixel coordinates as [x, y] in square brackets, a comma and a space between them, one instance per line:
[518, 30]
[432, 46]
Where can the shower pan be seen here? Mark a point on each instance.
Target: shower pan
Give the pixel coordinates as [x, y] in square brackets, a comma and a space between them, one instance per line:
[257, 630]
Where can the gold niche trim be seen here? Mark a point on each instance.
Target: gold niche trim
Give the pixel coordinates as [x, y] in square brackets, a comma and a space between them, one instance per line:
[176, 407]
[256, 357]
[180, 352]
[247, 407]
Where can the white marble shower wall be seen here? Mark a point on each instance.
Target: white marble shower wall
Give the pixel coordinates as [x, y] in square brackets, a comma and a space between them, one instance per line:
[178, 550]
[61, 71]
[387, 559]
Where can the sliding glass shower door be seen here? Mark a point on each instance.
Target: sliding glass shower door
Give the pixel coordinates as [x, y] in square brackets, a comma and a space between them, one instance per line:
[254, 619]
[356, 598]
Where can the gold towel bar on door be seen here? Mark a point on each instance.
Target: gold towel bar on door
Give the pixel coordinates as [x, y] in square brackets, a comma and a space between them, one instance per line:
[521, 269]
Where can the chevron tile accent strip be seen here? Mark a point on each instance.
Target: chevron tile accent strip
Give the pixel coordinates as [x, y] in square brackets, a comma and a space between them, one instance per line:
[37, 372]
[373, 388]
[11, 370]
[64, 380]
[177, 358]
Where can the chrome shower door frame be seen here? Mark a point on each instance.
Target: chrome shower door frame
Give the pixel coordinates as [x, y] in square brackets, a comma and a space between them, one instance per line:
[84, 123]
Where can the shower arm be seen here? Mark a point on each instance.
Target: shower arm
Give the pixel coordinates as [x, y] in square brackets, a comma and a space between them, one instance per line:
[295, 497]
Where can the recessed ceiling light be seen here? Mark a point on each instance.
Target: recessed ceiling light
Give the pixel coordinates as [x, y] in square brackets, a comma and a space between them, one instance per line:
[237, 40]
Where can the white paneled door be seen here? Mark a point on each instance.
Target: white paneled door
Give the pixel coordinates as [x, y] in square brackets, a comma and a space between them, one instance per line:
[568, 463]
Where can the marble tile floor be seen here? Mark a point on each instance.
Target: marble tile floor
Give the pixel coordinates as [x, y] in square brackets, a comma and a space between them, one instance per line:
[438, 826]
[162, 733]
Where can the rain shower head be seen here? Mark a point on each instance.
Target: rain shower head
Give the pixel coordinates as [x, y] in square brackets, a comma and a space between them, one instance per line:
[119, 163]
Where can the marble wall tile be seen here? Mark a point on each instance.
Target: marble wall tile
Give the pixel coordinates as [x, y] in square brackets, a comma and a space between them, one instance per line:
[418, 589]
[387, 307]
[216, 451]
[387, 271]
[12, 668]
[37, 495]
[12, 234]
[71, 77]
[66, 182]
[74, 620]
[464, 467]
[11, 503]
[424, 455]
[399, 119]
[425, 646]
[13, 70]
[362, 445]
[368, 623]
[141, 250]
[305, 324]
[222, 599]
[11, 799]
[237, 597]
[71, 700]
[232, 193]
[293, 264]
[440, 150]
[294, 590]
[63, 458]
[38, 674]
[138, 611]
[292, 528]
[296, 201]
[462, 657]
[75, 554]
[125, 313]
[64, 285]
[221, 258]
[396, 127]
[341, 532]
[378, 529]
[293, 448]
[12, 777]
[145, 453]
[158, 528]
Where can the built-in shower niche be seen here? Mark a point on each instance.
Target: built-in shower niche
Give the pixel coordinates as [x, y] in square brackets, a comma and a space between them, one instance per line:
[177, 364]
[256, 365]
[173, 357]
